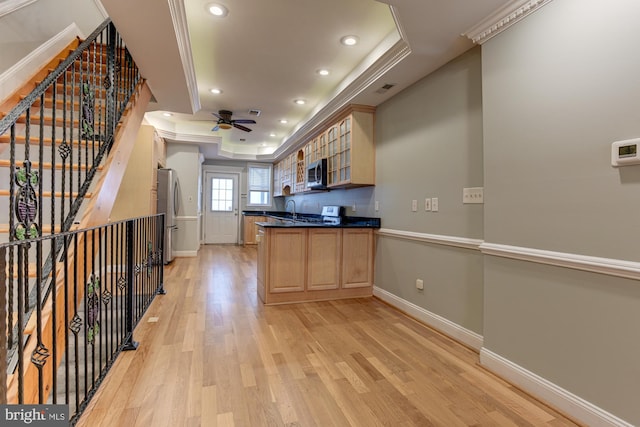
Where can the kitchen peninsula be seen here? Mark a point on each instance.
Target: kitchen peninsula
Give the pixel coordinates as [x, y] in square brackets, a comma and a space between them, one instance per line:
[302, 258]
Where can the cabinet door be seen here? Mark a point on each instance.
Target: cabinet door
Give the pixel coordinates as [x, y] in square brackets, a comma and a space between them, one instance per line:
[249, 230]
[333, 155]
[344, 149]
[357, 259]
[324, 259]
[322, 146]
[277, 180]
[262, 263]
[287, 259]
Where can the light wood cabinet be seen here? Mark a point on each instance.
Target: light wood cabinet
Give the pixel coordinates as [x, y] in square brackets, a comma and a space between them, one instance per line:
[297, 264]
[349, 147]
[250, 230]
[357, 261]
[324, 259]
[277, 179]
[301, 168]
[261, 274]
[352, 151]
[287, 260]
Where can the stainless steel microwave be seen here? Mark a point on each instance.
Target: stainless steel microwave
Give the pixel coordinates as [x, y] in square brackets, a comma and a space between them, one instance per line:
[317, 175]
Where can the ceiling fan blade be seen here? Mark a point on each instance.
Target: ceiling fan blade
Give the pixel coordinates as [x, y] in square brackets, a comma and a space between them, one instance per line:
[244, 128]
[244, 121]
[217, 115]
[216, 128]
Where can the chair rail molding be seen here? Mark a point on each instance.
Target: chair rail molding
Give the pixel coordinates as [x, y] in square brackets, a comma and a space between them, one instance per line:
[503, 18]
[608, 266]
[460, 242]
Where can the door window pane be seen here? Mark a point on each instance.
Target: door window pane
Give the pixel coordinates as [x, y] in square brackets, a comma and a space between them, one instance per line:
[221, 194]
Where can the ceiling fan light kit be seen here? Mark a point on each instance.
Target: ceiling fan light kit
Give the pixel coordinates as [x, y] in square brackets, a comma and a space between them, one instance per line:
[225, 122]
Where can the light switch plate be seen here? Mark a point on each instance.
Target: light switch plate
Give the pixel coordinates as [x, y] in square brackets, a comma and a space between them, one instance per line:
[473, 195]
[434, 204]
[427, 204]
[414, 205]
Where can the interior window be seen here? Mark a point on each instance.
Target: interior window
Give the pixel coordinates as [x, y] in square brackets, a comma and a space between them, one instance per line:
[259, 185]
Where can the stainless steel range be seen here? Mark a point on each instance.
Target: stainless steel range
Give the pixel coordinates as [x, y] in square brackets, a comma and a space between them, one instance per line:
[331, 215]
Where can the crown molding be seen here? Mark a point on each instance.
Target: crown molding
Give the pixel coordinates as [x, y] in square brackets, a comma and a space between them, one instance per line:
[179, 19]
[360, 80]
[503, 18]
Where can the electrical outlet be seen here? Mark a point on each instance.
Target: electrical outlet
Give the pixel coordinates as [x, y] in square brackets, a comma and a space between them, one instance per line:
[414, 205]
[377, 204]
[473, 195]
[434, 204]
[354, 207]
[419, 284]
[427, 204]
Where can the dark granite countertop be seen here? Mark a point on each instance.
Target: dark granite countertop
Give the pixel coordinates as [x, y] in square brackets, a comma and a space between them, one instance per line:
[285, 219]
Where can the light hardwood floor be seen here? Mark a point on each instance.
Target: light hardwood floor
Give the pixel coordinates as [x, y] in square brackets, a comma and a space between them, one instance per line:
[212, 355]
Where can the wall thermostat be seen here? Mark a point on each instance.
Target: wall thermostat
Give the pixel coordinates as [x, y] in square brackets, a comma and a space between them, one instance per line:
[624, 153]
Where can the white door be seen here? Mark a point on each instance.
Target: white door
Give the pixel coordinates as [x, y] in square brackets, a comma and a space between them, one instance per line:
[221, 207]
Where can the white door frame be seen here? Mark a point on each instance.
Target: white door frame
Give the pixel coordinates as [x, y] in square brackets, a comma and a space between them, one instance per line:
[227, 170]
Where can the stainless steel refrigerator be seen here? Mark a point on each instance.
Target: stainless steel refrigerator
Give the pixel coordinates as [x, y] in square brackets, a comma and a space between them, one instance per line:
[168, 204]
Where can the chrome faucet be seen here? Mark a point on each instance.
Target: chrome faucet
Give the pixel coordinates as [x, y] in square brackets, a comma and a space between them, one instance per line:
[293, 212]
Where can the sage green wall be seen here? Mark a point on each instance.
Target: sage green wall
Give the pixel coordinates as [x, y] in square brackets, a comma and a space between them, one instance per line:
[558, 88]
[428, 144]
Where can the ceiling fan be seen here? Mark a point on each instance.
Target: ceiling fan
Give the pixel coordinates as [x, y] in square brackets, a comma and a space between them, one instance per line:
[225, 122]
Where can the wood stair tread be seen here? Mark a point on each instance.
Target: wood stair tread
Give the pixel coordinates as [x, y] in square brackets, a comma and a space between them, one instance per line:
[47, 120]
[21, 139]
[48, 194]
[48, 165]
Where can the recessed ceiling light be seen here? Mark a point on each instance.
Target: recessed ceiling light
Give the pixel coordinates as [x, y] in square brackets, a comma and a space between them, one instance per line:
[216, 91]
[217, 10]
[167, 114]
[323, 72]
[272, 134]
[264, 144]
[283, 121]
[349, 40]
[300, 101]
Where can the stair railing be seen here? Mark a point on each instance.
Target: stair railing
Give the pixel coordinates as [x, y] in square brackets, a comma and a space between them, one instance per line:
[109, 276]
[75, 110]
[56, 138]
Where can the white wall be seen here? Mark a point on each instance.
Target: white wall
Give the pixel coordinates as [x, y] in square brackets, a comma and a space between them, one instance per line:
[185, 159]
[27, 28]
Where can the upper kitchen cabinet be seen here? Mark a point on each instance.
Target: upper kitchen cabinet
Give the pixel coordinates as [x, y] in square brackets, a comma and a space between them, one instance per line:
[346, 140]
[351, 149]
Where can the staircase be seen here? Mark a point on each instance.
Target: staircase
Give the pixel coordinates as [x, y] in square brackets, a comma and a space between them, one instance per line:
[65, 139]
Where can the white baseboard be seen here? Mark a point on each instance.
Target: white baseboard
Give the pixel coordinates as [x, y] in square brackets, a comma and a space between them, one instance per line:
[186, 254]
[443, 325]
[16, 76]
[550, 393]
